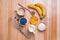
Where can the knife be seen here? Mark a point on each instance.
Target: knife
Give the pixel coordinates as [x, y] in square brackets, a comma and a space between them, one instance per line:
[19, 28]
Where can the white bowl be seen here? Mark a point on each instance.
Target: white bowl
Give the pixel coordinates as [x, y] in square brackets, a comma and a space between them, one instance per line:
[21, 12]
[42, 26]
[31, 28]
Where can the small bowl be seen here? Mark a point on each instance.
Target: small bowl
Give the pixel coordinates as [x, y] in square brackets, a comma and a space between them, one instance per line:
[42, 27]
[21, 12]
[31, 28]
[22, 21]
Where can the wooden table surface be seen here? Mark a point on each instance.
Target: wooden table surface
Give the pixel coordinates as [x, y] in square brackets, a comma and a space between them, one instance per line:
[52, 20]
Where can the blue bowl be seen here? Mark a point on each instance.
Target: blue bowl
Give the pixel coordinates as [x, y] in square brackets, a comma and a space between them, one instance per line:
[22, 21]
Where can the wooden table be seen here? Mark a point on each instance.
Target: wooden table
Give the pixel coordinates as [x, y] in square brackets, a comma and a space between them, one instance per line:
[9, 32]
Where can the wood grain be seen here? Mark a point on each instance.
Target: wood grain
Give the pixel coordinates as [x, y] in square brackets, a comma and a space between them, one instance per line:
[58, 20]
[8, 30]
